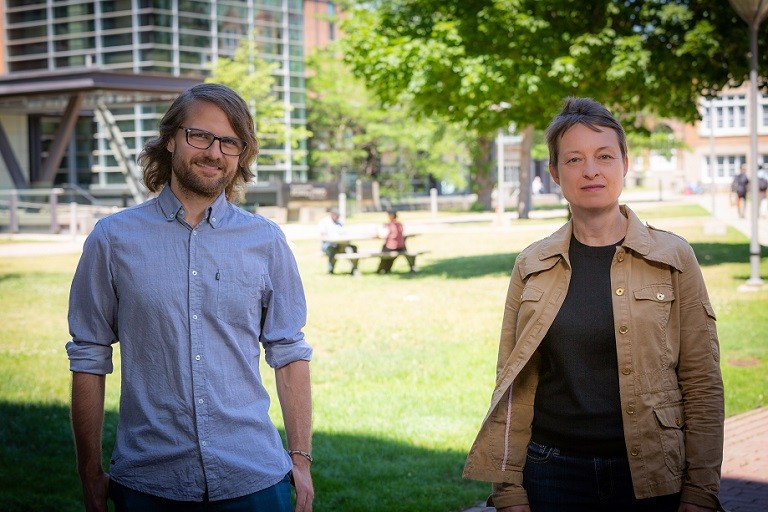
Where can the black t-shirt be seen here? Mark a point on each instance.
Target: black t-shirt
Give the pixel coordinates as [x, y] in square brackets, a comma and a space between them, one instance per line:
[577, 406]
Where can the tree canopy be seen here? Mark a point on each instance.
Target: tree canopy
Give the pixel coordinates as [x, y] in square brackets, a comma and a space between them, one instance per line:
[352, 130]
[487, 63]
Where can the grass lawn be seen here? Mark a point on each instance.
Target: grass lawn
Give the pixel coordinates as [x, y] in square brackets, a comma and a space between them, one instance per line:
[402, 373]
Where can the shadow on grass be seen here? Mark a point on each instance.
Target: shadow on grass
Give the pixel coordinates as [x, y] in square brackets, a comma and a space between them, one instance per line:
[467, 267]
[714, 253]
[351, 472]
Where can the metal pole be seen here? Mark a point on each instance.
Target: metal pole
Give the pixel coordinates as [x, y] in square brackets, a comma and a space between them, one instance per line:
[754, 246]
[712, 152]
[500, 176]
[13, 222]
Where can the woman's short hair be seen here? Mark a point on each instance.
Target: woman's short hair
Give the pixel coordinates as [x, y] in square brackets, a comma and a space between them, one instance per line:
[157, 160]
[584, 111]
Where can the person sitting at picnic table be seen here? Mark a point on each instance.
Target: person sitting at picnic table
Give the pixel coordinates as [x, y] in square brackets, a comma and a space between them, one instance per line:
[394, 240]
[331, 227]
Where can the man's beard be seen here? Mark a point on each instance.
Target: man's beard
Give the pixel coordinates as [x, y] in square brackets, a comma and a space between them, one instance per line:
[198, 185]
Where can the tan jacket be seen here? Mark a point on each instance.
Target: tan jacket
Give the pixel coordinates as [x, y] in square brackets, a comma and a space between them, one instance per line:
[670, 384]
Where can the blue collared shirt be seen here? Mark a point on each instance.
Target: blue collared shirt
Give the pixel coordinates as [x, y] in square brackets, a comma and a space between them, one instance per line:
[189, 306]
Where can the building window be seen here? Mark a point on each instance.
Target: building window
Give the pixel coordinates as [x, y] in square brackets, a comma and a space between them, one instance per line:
[726, 167]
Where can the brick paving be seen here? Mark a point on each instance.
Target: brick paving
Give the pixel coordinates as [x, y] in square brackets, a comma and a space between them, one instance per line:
[744, 482]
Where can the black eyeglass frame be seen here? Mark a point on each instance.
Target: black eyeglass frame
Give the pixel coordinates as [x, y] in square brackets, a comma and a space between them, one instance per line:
[187, 130]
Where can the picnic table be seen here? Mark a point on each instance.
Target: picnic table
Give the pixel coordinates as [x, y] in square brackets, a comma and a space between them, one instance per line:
[345, 251]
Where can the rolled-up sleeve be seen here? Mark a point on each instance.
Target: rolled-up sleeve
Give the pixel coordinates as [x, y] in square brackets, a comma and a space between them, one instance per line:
[284, 309]
[93, 308]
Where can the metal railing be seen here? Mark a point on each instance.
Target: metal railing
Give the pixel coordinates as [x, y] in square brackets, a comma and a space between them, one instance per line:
[55, 210]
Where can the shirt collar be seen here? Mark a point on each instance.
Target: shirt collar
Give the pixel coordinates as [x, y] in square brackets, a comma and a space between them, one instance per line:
[171, 207]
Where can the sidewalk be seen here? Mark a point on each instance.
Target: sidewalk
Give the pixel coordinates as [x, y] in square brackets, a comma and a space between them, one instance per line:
[744, 482]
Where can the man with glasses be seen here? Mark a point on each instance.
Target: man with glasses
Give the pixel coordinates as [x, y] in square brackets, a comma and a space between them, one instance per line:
[192, 287]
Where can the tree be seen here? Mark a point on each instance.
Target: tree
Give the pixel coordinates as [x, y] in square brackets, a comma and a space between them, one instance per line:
[489, 63]
[351, 130]
[253, 79]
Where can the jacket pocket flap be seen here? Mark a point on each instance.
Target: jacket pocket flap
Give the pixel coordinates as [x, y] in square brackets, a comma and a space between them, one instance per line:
[658, 293]
[710, 311]
[531, 294]
[671, 416]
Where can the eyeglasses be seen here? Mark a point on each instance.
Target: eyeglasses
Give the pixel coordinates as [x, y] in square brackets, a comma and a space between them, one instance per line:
[202, 139]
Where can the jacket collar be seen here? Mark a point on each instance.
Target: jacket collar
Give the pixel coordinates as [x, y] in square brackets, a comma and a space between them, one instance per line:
[638, 239]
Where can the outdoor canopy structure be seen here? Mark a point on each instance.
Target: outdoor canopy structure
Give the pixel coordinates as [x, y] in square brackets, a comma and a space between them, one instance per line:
[70, 94]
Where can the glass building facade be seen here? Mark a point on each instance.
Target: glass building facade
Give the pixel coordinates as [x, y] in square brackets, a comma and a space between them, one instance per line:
[172, 37]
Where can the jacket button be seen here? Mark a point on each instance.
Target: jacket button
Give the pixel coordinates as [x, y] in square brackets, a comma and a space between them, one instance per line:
[619, 291]
[623, 329]
[626, 370]
[620, 257]
[660, 296]
[631, 409]
[634, 452]
[677, 421]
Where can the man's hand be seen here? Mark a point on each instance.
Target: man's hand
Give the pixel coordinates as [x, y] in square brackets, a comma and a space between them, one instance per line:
[690, 507]
[95, 492]
[302, 479]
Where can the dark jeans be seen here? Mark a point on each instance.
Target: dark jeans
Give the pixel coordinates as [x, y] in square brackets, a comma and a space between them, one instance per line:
[272, 499]
[557, 482]
[385, 264]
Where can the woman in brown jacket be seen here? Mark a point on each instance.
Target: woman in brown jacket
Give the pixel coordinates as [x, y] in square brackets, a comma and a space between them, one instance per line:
[608, 393]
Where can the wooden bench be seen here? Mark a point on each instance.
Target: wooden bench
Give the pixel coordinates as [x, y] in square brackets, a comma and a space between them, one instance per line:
[355, 257]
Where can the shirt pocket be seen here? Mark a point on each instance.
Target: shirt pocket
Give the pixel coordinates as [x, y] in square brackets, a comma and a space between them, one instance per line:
[238, 300]
[670, 422]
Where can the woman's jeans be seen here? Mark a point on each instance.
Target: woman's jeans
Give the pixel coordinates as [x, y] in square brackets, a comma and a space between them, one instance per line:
[556, 482]
[272, 499]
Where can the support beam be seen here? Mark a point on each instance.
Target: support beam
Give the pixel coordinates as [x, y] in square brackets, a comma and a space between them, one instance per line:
[61, 139]
[120, 150]
[14, 169]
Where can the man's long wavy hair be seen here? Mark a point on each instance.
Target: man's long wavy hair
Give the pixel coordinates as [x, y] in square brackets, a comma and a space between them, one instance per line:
[584, 111]
[157, 160]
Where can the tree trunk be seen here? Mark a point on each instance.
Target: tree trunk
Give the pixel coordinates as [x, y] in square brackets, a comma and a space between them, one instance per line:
[524, 195]
[481, 163]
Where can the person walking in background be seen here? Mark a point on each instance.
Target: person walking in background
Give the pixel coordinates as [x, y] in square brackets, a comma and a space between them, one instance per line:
[608, 394]
[739, 188]
[394, 240]
[190, 285]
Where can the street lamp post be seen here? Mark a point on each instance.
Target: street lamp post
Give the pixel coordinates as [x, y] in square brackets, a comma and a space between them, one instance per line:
[753, 12]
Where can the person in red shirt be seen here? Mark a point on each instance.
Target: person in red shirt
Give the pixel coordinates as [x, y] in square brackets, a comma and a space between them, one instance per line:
[394, 240]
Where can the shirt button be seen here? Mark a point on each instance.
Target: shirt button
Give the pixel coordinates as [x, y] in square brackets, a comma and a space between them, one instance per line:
[205, 443]
[194, 272]
[619, 291]
[194, 317]
[197, 357]
[200, 401]
[213, 219]
[623, 329]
